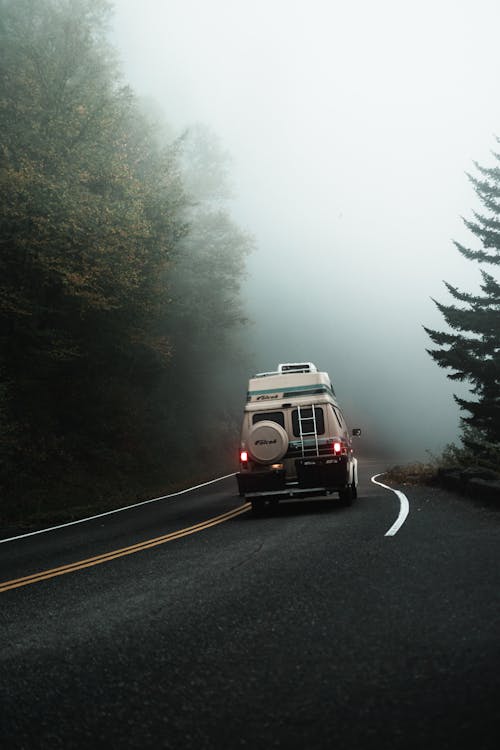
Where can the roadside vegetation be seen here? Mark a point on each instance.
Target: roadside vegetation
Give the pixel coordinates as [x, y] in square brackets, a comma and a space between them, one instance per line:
[470, 346]
[470, 349]
[454, 459]
[120, 272]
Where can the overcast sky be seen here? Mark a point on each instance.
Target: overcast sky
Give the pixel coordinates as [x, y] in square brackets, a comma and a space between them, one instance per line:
[351, 126]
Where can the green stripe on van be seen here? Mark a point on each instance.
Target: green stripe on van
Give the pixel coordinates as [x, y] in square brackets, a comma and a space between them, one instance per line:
[318, 387]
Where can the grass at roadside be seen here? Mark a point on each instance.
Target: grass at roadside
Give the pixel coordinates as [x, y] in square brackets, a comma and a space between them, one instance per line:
[453, 459]
[81, 497]
[412, 474]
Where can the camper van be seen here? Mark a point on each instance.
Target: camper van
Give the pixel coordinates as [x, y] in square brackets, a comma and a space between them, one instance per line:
[294, 439]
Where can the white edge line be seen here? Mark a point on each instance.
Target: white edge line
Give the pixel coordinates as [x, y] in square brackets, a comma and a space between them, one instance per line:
[116, 510]
[404, 506]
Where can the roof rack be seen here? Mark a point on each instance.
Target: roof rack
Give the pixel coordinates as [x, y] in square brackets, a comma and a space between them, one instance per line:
[288, 368]
[296, 367]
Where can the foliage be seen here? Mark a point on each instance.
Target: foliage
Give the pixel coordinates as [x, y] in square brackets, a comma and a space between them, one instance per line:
[411, 474]
[475, 451]
[471, 349]
[114, 281]
[206, 312]
[455, 459]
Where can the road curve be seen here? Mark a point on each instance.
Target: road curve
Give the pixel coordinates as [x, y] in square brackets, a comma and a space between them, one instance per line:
[308, 627]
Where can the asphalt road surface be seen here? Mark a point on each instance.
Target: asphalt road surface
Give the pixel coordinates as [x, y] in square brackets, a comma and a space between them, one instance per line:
[306, 628]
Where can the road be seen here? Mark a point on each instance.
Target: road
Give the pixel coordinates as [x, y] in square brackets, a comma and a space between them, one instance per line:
[307, 628]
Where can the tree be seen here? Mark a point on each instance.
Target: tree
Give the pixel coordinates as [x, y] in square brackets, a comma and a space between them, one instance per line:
[120, 272]
[206, 317]
[91, 214]
[472, 348]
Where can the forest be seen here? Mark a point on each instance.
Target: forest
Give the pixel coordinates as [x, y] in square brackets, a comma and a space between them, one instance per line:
[121, 367]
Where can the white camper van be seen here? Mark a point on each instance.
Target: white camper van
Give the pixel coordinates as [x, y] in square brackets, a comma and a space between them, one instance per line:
[294, 438]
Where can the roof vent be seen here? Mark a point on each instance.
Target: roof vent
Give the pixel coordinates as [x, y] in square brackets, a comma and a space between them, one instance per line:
[290, 367]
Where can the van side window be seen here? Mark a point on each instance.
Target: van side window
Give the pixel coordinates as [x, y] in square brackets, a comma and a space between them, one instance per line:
[307, 421]
[338, 417]
[271, 416]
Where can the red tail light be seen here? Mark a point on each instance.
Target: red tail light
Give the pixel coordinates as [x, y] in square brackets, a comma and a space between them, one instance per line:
[339, 448]
[243, 457]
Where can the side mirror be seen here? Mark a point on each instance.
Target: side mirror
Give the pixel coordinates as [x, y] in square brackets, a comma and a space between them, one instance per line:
[356, 432]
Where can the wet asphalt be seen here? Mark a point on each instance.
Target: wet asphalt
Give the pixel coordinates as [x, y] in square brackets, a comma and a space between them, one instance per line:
[306, 628]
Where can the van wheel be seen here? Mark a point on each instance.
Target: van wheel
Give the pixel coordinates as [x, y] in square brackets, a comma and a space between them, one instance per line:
[354, 491]
[346, 495]
[257, 507]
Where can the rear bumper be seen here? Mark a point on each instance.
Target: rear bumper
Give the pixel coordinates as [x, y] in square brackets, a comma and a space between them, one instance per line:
[257, 482]
[312, 475]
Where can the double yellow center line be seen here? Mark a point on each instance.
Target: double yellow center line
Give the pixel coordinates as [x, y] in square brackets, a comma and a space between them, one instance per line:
[44, 575]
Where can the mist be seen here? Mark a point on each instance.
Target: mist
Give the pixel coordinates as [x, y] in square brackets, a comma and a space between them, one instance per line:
[351, 127]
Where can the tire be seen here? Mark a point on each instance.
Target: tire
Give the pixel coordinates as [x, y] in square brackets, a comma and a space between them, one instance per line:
[257, 508]
[355, 481]
[354, 489]
[346, 496]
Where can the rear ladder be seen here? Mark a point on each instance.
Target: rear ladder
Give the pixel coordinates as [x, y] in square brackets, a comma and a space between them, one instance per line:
[311, 435]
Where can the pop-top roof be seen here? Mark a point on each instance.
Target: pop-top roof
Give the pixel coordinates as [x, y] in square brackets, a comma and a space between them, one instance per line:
[303, 382]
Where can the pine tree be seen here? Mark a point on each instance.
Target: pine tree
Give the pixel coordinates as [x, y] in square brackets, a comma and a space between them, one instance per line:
[472, 348]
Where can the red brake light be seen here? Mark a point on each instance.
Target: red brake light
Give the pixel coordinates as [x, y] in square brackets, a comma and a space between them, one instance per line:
[243, 457]
[337, 447]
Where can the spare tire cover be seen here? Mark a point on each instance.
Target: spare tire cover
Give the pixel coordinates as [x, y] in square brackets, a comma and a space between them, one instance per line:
[267, 442]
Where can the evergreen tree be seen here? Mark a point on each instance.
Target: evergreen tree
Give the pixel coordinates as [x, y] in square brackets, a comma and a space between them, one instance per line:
[472, 348]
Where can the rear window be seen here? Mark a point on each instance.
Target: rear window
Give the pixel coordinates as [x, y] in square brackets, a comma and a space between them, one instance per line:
[271, 416]
[308, 421]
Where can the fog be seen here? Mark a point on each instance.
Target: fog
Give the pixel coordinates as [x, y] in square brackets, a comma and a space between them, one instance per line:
[351, 127]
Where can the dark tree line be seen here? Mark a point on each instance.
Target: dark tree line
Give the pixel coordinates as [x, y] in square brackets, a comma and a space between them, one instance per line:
[471, 346]
[120, 273]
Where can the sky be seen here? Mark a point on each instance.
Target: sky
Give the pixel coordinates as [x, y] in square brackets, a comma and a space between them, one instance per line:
[351, 127]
